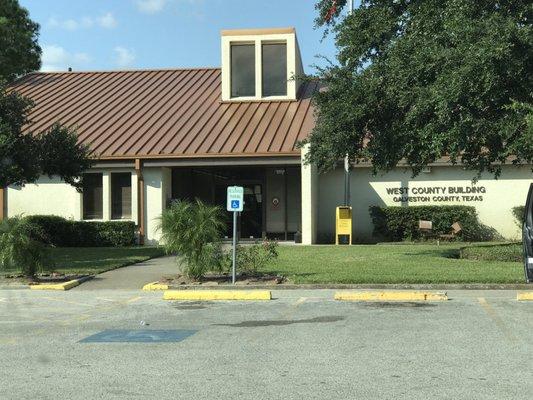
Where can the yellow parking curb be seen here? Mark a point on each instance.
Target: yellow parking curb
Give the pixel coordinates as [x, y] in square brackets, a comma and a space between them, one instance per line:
[155, 286]
[391, 296]
[524, 296]
[217, 295]
[56, 286]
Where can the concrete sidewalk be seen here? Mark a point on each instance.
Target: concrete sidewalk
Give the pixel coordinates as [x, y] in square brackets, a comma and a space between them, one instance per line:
[133, 277]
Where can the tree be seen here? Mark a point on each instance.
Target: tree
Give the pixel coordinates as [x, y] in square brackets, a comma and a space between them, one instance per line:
[418, 80]
[19, 51]
[24, 156]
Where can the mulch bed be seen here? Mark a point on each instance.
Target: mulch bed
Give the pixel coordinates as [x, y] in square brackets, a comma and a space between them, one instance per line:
[223, 279]
[41, 278]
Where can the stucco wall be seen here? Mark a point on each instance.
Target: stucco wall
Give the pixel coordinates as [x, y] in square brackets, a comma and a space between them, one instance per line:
[494, 200]
[52, 196]
[47, 196]
[158, 191]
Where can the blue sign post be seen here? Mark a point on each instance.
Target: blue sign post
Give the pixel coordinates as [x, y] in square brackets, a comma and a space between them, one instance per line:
[235, 202]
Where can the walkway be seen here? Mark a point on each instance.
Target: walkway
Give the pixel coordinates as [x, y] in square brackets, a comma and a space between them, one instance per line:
[133, 277]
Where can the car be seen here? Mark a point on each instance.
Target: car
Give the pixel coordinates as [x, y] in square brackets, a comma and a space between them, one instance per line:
[527, 236]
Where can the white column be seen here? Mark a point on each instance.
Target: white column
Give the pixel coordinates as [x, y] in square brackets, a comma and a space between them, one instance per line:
[157, 187]
[309, 200]
[106, 194]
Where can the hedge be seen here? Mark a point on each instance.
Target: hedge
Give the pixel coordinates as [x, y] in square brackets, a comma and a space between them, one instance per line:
[502, 252]
[61, 232]
[401, 223]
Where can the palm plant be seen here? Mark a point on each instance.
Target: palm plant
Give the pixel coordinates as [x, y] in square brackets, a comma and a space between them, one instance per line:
[192, 230]
[22, 246]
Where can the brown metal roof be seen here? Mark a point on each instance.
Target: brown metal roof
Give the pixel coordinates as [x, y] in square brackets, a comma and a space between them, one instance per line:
[165, 113]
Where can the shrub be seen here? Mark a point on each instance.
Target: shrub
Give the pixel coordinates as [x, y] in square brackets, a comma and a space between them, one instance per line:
[253, 257]
[502, 252]
[22, 246]
[67, 233]
[518, 214]
[401, 223]
[193, 231]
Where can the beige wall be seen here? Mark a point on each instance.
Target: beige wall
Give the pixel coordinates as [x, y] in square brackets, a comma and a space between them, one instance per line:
[494, 201]
[46, 196]
[52, 196]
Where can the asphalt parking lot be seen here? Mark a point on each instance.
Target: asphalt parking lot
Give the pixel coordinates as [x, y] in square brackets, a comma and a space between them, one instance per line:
[301, 345]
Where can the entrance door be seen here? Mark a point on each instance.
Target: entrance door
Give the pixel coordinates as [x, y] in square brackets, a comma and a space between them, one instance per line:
[527, 236]
[250, 220]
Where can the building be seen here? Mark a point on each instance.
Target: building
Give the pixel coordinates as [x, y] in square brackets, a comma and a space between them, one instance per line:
[189, 133]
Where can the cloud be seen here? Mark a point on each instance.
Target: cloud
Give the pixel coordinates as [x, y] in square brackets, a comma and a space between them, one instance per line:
[151, 6]
[124, 57]
[56, 58]
[106, 21]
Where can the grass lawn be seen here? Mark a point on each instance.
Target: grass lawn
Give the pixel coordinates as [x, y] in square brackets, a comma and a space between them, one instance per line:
[390, 263]
[93, 260]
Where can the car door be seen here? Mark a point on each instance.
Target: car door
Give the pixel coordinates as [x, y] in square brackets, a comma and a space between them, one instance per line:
[527, 236]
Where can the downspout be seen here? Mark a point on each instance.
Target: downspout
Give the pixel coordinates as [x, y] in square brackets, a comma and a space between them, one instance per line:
[140, 199]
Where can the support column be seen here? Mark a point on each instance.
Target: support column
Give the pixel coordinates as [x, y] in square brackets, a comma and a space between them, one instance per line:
[309, 199]
[140, 200]
[2, 203]
[106, 194]
[157, 192]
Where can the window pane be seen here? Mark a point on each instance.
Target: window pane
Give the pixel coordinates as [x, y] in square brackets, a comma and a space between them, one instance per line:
[274, 69]
[121, 196]
[242, 70]
[92, 196]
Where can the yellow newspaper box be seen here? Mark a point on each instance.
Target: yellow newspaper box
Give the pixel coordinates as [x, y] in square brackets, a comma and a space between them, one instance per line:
[343, 225]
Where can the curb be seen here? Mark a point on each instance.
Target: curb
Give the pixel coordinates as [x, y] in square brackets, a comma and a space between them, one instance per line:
[60, 286]
[152, 286]
[217, 295]
[390, 296]
[392, 286]
[524, 296]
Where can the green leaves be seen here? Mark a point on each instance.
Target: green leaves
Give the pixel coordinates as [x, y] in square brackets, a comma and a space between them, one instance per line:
[422, 80]
[24, 157]
[22, 246]
[188, 229]
[19, 51]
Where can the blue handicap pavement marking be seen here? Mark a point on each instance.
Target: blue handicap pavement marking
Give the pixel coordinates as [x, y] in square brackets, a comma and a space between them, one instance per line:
[235, 203]
[139, 336]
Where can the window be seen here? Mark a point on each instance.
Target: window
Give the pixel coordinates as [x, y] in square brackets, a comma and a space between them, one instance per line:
[121, 195]
[274, 69]
[92, 196]
[242, 70]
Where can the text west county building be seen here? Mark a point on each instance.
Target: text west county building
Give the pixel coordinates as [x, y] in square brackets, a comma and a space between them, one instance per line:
[171, 134]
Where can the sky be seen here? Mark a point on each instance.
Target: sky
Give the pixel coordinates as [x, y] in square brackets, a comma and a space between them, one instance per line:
[142, 34]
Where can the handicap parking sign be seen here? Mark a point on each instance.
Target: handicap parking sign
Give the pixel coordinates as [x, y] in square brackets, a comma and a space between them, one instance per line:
[235, 198]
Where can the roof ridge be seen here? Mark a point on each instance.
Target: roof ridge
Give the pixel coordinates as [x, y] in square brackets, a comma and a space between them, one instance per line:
[124, 70]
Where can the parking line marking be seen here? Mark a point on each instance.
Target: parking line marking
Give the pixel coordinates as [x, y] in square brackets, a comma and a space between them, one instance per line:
[133, 299]
[75, 303]
[496, 319]
[301, 300]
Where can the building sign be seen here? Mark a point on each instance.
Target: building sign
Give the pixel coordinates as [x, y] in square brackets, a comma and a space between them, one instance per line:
[436, 194]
